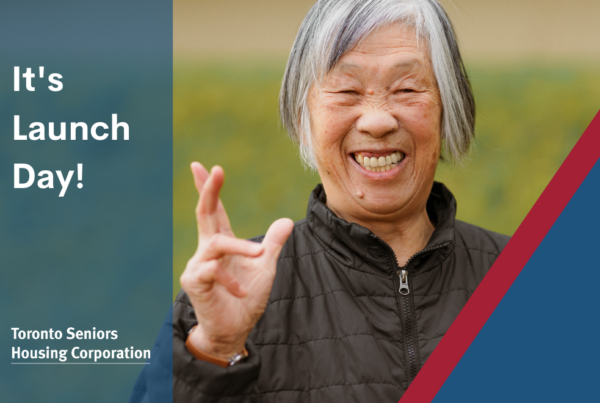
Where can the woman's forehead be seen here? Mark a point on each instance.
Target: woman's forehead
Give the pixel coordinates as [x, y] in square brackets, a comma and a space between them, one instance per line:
[402, 63]
[394, 48]
[388, 38]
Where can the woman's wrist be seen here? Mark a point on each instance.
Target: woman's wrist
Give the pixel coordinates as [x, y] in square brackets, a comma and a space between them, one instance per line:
[205, 346]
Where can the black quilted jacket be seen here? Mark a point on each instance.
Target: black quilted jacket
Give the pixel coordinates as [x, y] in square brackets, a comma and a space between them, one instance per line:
[341, 324]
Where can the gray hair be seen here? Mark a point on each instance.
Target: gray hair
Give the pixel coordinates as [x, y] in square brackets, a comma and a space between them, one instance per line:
[333, 27]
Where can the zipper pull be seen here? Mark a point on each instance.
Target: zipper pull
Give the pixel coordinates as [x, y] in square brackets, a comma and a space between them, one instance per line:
[403, 282]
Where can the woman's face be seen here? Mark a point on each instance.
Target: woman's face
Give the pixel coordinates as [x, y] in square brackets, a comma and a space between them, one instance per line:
[376, 124]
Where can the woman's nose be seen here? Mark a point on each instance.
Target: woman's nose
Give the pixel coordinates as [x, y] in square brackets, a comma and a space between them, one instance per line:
[376, 122]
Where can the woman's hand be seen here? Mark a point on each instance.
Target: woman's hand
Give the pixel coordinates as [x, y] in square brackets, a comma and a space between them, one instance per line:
[228, 280]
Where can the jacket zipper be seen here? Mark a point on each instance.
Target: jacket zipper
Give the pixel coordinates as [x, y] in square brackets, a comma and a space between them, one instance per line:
[404, 291]
[403, 275]
[409, 314]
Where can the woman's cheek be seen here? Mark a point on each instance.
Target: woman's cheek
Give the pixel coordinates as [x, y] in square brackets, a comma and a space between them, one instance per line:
[423, 119]
[337, 122]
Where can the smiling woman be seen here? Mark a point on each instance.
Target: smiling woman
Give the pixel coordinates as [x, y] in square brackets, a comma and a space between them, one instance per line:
[380, 100]
[348, 303]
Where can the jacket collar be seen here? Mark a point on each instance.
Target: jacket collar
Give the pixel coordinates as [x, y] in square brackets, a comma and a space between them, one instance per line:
[358, 248]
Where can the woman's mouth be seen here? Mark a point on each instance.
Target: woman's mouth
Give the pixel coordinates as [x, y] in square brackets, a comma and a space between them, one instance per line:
[379, 163]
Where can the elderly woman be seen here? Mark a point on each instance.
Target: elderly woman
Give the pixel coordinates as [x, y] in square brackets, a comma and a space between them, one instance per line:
[348, 303]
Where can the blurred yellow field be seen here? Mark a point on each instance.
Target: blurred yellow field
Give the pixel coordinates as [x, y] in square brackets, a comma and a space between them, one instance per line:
[529, 118]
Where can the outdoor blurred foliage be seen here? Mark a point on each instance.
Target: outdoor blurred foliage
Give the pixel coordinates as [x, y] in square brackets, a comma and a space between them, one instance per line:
[528, 119]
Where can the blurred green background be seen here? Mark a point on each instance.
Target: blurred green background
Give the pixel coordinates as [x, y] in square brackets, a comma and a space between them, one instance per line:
[531, 109]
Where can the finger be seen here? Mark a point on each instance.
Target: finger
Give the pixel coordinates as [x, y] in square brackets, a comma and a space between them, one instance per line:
[199, 277]
[203, 278]
[276, 237]
[207, 215]
[200, 175]
[206, 275]
[220, 245]
[211, 189]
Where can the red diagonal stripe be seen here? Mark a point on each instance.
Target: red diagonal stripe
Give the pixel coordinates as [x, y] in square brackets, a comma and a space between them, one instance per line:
[507, 267]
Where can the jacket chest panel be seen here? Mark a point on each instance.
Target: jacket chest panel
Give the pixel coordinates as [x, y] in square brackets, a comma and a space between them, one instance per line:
[319, 299]
[321, 309]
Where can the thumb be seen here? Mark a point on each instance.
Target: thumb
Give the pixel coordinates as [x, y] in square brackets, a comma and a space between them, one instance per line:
[276, 236]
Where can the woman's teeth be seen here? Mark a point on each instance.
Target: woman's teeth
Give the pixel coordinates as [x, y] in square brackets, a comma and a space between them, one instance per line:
[380, 164]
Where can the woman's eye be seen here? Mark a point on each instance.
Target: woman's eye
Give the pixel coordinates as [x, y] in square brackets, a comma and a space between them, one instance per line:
[351, 92]
[405, 90]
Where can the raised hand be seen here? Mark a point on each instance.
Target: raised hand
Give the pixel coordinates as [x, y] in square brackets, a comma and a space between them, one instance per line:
[228, 280]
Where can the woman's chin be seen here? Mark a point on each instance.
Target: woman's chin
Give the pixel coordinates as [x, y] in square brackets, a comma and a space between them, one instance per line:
[379, 203]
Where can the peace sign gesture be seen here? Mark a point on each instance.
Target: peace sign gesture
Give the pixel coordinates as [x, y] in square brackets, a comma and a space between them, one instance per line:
[228, 280]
